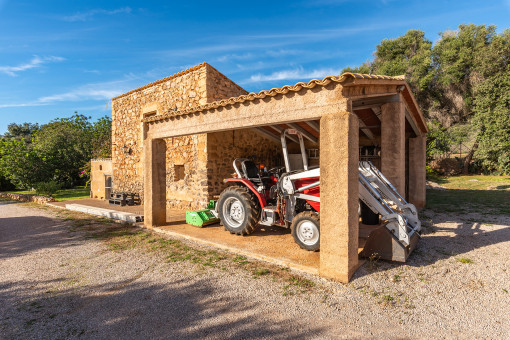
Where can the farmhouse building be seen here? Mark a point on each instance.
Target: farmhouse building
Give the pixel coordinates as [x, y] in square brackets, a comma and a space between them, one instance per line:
[174, 141]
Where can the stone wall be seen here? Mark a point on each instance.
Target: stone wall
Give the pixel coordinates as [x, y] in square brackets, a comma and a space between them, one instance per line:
[187, 178]
[186, 188]
[27, 197]
[98, 169]
[224, 147]
[220, 87]
[182, 90]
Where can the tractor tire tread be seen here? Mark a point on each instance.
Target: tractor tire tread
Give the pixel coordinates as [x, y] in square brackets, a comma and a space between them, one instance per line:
[253, 219]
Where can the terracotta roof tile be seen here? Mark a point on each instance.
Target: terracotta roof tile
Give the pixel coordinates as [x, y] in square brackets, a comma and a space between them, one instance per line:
[271, 93]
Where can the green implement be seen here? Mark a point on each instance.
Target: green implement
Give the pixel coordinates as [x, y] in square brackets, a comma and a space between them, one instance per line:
[201, 218]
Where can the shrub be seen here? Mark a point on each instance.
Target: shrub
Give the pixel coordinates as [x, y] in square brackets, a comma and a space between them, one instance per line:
[47, 188]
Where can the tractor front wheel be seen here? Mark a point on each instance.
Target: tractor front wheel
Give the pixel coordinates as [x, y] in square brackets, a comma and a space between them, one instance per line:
[306, 230]
[239, 210]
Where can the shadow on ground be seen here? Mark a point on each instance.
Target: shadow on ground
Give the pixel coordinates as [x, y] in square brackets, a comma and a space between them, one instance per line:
[468, 218]
[32, 233]
[127, 310]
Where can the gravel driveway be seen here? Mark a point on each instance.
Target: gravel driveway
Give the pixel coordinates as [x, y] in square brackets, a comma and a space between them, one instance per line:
[57, 282]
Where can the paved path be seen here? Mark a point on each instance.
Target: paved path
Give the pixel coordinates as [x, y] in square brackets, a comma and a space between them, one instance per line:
[58, 284]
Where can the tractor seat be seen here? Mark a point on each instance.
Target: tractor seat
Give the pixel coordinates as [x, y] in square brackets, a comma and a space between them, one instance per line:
[252, 173]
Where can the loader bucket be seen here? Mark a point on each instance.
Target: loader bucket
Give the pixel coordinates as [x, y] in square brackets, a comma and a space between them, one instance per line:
[381, 243]
[201, 218]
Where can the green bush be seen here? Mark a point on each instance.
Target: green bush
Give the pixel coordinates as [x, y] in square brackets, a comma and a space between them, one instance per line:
[47, 188]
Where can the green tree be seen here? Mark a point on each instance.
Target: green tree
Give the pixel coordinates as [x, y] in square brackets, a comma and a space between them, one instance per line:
[461, 84]
[491, 106]
[56, 151]
[21, 131]
[20, 164]
[65, 146]
[16, 132]
[455, 59]
[365, 68]
[438, 140]
[102, 138]
[408, 55]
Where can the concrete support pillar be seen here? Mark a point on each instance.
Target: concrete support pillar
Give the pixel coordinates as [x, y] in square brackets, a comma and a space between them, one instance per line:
[339, 142]
[417, 171]
[154, 209]
[393, 146]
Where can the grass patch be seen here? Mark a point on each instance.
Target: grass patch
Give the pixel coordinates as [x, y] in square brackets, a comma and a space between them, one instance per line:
[73, 193]
[260, 272]
[240, 260]
[388, 298]
[465, 260]
[463, 194]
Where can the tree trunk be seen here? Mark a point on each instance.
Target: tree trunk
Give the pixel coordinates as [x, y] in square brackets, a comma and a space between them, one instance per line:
[469, 158]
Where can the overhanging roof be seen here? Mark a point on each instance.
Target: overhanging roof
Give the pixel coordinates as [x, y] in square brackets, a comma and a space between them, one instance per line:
[346, 79]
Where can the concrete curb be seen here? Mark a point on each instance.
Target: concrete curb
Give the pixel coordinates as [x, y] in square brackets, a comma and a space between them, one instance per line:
[108, 213]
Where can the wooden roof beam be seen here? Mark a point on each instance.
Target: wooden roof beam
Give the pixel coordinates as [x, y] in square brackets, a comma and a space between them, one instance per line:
[366, 130]
[313, 125]
[305, 133]
[280, 130]
[372, 102]
[267, 134]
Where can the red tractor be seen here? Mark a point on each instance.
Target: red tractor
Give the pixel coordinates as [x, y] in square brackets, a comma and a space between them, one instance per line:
[281, 197]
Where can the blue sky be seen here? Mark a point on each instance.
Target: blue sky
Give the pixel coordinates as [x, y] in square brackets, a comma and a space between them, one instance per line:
[58, 57]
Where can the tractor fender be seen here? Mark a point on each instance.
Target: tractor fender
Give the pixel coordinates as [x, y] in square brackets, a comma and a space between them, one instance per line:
[251, 186]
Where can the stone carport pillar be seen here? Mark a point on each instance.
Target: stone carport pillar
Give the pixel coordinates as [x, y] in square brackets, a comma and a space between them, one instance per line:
[339, 223]
[393, 144]
[417, 171]
[154, 173]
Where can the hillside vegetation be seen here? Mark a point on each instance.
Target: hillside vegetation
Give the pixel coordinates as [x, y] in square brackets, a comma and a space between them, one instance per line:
[462, 84]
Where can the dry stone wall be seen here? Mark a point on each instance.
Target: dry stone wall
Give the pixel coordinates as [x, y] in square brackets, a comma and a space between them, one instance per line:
[186, 89]
[224, 147]
[220, 87]
[27, 197]
[187, 157]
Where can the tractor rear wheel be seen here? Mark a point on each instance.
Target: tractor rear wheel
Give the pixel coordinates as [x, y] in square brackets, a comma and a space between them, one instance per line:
[239, 210]
[306, 230]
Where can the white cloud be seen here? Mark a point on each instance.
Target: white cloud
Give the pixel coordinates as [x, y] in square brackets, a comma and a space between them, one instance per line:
[89, 15]
[34, 63]
[294, 74]
[229, 57]
[20, 105]
[97, 91]
[94, 91]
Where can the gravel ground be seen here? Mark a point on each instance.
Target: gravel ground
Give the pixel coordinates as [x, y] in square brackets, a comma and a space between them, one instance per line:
[57, 283]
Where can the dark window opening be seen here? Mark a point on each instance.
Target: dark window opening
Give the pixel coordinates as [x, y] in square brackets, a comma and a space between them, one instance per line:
[178, 172]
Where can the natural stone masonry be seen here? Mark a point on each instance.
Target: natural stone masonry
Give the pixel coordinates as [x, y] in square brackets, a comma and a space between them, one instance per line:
[27, 197]
[187, 155]
[224, 147]
[334, 101]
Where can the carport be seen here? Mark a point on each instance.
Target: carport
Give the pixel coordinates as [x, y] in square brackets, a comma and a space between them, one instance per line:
[342, 113]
